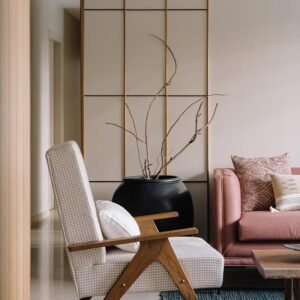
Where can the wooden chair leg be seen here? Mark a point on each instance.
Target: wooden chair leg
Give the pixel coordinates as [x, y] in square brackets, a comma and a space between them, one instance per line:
[148, 252]
[151, 251]
[170, 261]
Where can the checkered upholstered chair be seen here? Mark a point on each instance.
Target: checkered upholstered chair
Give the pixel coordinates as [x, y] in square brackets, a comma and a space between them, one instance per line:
[163, 262]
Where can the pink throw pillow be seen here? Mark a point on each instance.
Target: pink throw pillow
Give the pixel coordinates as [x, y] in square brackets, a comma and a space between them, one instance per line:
[255, 181]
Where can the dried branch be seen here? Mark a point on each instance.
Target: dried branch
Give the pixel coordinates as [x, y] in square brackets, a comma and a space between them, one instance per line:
[155, 97]
[163, 145]
[136, 139]
[126, 130]
[198, 115]
[146, 166]
[210, 120]
[197, 132]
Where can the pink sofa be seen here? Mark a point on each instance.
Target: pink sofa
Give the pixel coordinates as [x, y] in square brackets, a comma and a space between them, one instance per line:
[238, 233]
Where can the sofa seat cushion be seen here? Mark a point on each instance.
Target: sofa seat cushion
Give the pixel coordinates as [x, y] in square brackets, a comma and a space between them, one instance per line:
[244, 249]
[267, 226]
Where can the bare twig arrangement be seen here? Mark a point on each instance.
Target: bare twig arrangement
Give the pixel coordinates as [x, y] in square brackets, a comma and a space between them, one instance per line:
[162, 160]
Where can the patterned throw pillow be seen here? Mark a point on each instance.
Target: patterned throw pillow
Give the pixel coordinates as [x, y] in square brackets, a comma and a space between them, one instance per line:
[254, 176]
[287, 191]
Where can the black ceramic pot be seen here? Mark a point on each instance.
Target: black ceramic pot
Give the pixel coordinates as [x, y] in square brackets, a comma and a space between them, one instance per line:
[168, 193]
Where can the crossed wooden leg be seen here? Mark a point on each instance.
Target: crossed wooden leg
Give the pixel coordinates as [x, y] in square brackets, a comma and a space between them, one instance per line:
[154, 247]
[151, 251]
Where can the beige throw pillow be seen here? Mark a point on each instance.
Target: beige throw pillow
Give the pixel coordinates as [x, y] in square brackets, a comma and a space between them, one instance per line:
[287, 191]
[255, 181]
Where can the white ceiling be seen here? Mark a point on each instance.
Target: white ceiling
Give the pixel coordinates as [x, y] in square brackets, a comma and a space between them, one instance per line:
[72, 6]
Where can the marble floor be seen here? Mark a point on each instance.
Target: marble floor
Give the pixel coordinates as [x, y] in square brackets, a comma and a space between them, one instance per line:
[50, 274]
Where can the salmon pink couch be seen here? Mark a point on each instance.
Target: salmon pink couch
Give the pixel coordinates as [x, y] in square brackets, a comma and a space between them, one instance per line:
[237, 233]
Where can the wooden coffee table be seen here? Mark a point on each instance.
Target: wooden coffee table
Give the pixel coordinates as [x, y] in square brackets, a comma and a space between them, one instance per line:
[280, 264]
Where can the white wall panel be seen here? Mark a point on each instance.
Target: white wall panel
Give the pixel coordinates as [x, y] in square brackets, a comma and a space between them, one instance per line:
[187, 4]
[187, 36]
[103, 4]
[160, 4]
[146, 4]
[199, 196]
[138, 4]
[103, 53]
[103, 143]
[104, 190]
[139, 106]
[191, 164]
[145, 54]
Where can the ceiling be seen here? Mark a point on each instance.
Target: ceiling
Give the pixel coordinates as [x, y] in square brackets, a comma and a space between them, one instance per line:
[72, 6]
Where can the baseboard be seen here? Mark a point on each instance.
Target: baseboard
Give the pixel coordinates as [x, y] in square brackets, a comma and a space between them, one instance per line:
[39, 217]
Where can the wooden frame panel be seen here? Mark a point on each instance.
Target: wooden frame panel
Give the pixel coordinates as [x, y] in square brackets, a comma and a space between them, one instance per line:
[103, 76]
[104, 190]
[103, 143]
[199, 194]
[171, 11]
[191, 164]
[145, 54]
[139, 106]
[187, 35]
[103, 4]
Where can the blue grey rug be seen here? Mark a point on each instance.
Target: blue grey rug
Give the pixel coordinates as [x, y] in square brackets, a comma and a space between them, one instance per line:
[230, 294]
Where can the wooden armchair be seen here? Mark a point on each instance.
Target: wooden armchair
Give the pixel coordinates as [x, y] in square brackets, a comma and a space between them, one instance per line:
[164, 261]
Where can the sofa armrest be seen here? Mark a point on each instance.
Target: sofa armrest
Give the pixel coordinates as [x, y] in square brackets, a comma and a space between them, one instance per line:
[227, 208]
[296, 170]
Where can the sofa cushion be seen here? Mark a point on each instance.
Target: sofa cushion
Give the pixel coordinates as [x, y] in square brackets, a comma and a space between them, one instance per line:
[253, 174]
[267, 226]
[287, 191]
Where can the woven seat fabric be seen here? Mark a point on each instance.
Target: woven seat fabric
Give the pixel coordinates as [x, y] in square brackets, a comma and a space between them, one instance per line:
[75, 203]
[203, 265]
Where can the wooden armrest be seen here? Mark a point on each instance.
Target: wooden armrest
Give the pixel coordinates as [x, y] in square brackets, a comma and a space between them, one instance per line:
[167, 215]
[133, 239]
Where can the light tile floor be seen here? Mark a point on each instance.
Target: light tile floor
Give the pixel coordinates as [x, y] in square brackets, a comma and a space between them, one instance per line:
[50, 274]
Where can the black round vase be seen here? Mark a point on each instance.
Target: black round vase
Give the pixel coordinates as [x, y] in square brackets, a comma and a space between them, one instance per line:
[140, 196]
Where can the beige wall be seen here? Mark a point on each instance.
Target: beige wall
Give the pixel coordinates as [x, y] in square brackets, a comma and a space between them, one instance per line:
[46, 23]
[72, 105]
[48, 20]
[254, 58]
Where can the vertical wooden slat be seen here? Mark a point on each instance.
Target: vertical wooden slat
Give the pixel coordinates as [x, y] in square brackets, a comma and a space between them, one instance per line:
[14, 149]
[82, 74]
[166, 88]
[124, 88]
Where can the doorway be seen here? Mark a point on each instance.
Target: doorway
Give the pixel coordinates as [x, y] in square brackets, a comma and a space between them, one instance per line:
[56, 101]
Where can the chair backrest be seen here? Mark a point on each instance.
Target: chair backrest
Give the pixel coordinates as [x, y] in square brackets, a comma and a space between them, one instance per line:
[75, 204]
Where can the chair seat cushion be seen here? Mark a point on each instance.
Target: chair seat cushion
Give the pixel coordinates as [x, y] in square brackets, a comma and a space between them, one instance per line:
[267, 226]
[202, 263]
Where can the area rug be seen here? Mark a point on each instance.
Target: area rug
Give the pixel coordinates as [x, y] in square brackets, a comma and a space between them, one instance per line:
[230, 294]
